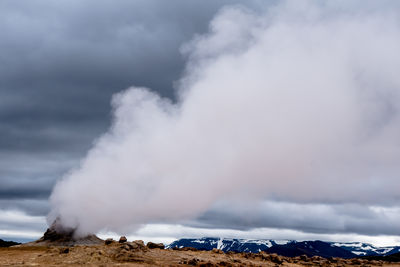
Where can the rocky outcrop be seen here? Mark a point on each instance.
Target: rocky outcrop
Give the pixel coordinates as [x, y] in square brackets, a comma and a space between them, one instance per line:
[58, 235]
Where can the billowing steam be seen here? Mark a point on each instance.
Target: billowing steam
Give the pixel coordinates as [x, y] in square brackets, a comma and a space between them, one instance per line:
[300, 104]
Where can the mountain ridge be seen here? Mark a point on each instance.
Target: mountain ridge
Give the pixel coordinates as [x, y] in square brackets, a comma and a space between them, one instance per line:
[290, 248]
[4, 243]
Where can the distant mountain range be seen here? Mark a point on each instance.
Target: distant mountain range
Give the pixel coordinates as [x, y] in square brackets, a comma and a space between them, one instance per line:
[7, 243]
[290, 248]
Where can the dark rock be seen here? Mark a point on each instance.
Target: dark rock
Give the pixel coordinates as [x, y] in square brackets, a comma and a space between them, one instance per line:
[303, 257]
[122, 239]
[64, 251]
[152, 245]
[108, 241]
[193, 262]
[54, 234]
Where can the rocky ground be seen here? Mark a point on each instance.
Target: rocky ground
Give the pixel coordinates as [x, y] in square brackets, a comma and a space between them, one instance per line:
[113, 253]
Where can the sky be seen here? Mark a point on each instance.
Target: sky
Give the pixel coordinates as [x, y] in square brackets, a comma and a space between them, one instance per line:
[67, 115]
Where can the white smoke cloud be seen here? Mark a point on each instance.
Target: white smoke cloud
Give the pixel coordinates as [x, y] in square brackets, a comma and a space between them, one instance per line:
[299, 103]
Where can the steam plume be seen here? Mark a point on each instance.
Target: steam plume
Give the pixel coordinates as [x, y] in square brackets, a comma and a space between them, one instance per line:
[299, 103]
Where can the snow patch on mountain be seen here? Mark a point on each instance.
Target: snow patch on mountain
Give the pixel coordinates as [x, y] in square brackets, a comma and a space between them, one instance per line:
[365, 249]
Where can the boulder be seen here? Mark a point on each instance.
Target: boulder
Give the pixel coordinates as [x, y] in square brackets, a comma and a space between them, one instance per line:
[152, 245]
[108, 241]
[122, 239]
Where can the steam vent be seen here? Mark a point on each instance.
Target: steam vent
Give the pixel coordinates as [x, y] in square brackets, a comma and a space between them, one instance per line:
[57, 235]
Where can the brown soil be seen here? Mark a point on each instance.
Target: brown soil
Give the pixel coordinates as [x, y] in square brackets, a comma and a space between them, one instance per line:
[135, 254]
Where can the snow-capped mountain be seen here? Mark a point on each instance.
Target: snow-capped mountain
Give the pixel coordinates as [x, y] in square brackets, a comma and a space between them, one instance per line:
[287, 247]
[228, 244]
[364, 249]
[311, 248]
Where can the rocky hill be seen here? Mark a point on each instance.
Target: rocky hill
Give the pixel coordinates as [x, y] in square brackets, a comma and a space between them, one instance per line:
[56, 235]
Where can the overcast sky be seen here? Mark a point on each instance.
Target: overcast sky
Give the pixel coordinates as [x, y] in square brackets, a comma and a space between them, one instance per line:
[60, 64]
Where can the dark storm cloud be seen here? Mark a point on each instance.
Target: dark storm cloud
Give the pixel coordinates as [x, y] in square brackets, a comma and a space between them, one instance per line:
[32, 207]
[61, 62]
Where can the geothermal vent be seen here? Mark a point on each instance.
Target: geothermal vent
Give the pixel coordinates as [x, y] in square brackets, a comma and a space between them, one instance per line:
[57, 235]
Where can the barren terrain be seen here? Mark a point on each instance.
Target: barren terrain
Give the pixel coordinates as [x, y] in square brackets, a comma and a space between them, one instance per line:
[136, 254]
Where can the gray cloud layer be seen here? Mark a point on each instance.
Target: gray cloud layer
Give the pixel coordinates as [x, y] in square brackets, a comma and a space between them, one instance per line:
[305, 217]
